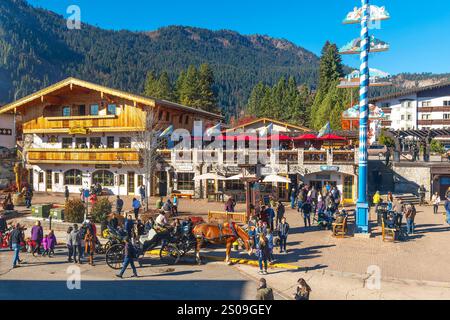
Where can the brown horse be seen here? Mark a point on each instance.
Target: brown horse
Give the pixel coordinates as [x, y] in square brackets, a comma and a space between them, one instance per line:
[225, 233]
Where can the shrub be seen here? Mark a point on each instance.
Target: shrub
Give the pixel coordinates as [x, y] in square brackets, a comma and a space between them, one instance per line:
[74, 211]
[437, 147]
[101, 209]
[385, 140]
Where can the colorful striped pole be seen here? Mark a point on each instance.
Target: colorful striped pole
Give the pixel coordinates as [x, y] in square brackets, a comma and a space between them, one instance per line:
[362, 208]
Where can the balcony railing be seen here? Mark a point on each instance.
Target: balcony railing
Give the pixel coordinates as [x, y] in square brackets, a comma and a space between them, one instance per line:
[270, 157]
[84, 156]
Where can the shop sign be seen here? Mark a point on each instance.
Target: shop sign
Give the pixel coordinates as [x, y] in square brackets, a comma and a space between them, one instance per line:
[185, 167]
[329, 168]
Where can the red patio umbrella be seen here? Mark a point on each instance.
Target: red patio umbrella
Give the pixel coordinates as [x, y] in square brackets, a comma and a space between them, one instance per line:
[331, 137]
[304, 137]
[279, 137]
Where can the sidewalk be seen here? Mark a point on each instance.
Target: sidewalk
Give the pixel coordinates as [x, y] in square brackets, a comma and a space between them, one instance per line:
[328, 285]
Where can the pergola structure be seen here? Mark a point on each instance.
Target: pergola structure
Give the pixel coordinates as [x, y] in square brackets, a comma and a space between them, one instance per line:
[422, 136]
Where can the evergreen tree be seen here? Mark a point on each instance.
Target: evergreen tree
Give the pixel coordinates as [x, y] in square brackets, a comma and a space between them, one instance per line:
[188, 89]
[330, 71]
[165, 89]
[207, 96]
[151, 85]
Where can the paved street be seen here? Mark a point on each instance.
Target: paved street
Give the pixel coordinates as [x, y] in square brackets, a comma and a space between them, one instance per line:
[44, 278]
[337, 267]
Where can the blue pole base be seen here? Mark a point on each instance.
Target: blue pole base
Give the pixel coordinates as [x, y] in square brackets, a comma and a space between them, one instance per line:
[362, 217]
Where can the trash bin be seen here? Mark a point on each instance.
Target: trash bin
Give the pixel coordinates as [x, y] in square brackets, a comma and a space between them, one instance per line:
[41, 211]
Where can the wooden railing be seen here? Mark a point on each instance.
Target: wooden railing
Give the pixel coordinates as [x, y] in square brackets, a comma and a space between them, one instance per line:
[130, 119]
[315, 157]
[222, 216]
[84, 156]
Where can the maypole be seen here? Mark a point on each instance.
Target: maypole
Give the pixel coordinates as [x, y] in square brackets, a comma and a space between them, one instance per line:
[364, 45]
[362, 207]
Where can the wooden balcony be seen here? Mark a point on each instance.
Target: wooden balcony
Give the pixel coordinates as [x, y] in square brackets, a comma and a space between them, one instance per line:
[129, 120]
[434, 109]
[84, 156]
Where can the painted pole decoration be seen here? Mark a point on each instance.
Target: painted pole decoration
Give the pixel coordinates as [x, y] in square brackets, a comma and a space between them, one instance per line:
[364, 45]
[362, 214]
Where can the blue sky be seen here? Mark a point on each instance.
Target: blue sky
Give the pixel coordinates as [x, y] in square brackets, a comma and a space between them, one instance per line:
[418, 31]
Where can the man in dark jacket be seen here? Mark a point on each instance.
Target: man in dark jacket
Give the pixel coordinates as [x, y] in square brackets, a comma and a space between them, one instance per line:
[16, 239]
[129, 226]
[119, 205]
[66, 193]
[263, 292]
[129, 255]
[3, 225]
[283, 231]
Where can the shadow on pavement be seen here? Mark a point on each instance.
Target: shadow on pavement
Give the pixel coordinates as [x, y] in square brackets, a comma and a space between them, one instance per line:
[124, 290]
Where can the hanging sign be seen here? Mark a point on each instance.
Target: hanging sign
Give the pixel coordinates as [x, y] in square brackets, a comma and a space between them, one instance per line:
[376, 14]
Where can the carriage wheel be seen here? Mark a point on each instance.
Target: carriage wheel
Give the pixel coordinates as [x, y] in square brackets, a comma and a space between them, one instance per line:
[114, 256]
[169, 254]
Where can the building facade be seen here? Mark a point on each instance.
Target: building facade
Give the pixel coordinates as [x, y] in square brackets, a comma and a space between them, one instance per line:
[77, 133]
[422, 108]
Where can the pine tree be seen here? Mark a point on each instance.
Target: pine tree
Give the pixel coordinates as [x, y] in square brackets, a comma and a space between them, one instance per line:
[207, 97]
[189, 88]
[165, 88]
[330, 71]
[151, 85]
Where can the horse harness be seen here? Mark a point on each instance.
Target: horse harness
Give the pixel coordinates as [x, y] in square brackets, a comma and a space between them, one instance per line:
[232, 227]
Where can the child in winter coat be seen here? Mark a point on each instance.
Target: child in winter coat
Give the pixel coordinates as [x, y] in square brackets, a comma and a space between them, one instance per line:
[45, 245]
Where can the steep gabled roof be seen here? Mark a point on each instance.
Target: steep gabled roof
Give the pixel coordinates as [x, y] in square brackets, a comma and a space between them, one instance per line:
[410, 92]
[267, 121]
[114, 92]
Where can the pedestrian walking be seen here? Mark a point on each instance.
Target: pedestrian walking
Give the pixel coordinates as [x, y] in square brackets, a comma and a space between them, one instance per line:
[283, 231]
[293, 197]
[28, 196]
[69, 244]
[37, 234]
[75, 236]
[447, 209]
[306, 208]
[136, 204]
[421, 193]
[16, 239]
[435, 200]
[303, 290]
[263, 292]
[66, 193]
[376, 200]
[410, 215]
[89, 245]
[270, 216]
[129, 226]
[119, 205]
[269, 236]
[142, 193]
[175, 205]
[129, 256]
[263, 253]
[280, 213]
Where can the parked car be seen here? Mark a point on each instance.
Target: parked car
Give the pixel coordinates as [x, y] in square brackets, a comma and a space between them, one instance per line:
[377, 150]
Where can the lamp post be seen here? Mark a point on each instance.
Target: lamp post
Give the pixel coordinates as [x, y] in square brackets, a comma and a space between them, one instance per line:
[362, 208]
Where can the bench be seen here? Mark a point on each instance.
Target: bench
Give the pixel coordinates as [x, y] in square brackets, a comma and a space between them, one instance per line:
[182, 195]
[340, 228]
[387, 234]
[240, 217]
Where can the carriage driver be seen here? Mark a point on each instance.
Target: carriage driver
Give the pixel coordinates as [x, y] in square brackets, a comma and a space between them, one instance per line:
[161, 221]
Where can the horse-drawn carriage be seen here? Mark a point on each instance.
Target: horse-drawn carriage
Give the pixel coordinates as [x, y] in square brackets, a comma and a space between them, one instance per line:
[174, 243]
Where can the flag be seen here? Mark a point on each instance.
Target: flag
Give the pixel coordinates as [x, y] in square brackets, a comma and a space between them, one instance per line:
[212, 130]
[166, 132]
[326, 129]
[264, 132]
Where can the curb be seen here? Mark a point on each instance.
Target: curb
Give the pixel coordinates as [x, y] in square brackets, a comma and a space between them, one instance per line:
[239, 261]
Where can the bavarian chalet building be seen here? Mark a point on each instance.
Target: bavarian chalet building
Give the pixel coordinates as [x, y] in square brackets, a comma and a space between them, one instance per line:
[76, 133]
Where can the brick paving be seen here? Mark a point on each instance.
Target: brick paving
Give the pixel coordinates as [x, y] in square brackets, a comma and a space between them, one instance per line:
[424, 257]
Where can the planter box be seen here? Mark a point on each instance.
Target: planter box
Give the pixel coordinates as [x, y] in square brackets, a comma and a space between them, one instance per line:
[41, 211]
[57, 214]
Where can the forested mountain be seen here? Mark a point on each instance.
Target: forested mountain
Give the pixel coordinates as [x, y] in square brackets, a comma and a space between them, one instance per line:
[37, 49]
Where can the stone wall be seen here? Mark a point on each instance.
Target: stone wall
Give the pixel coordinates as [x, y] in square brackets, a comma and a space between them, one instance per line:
[408, 179]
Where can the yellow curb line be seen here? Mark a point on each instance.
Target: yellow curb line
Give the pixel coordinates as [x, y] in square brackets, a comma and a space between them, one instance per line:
[240, 261]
